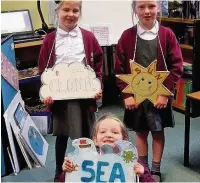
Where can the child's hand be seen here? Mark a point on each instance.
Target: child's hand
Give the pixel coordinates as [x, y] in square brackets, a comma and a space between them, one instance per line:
[98, 95]
[138, 169]
[130, 103]
[161, 102]
[67, 165]
[48, 102]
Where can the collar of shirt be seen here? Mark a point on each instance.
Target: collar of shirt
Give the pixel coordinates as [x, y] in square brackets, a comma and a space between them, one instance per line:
[148, 34]
[73, 33]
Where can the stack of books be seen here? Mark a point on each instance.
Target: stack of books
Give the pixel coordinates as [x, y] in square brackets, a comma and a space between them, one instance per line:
[183, 87]
[187, 68]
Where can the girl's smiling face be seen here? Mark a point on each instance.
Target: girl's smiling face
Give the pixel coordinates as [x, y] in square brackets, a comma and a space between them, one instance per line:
[146, 12]
[68, 14]
[108, 132]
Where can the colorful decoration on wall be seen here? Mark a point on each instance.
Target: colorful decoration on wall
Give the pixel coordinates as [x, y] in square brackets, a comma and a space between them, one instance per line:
[9, 72]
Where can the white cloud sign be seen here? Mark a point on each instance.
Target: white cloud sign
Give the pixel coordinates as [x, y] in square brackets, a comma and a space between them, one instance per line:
[69, 81]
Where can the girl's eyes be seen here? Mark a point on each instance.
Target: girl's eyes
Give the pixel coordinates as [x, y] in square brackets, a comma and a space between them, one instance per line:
[74, 11]
[66, 9]
[141, 7]
[102, 132]
[152, 6]
[149, 6]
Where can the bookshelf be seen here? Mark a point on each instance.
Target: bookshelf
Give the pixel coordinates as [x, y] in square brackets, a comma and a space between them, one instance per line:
[177, 20]
[185, 46]
[27, 54]
[28, 44]
[190, 48]
[29, 79]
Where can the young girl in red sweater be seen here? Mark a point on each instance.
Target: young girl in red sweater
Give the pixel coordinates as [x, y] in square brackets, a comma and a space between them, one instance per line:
[143, 43]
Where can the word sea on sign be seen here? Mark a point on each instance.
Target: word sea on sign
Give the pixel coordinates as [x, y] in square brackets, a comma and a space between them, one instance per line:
[145, 83]
[113, 164]
[69, 81]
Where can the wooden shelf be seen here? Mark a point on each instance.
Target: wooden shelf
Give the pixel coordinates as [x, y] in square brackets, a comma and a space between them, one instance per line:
[194, 96]
[187, 47]
[28, 44]
[177, 20]
[29, 79]
[180, 107]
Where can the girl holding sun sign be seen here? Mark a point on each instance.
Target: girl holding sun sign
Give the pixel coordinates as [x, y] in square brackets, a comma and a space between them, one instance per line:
[144, 43]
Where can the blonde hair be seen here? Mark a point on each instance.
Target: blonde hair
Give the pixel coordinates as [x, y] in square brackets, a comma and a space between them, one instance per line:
[113, 117]
[133, 5]
[61, 2]
[58, 6]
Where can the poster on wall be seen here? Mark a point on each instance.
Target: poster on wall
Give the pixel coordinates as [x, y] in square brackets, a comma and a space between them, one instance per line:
[9, 72]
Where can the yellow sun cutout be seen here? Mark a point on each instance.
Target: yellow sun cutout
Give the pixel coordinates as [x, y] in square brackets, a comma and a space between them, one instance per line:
[145, 83]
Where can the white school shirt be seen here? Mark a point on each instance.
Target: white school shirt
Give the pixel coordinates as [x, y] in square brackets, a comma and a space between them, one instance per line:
[69, 46]
[148, 34]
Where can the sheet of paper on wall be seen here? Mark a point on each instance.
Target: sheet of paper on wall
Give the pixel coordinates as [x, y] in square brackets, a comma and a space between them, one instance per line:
[19, 119]
[102, 33]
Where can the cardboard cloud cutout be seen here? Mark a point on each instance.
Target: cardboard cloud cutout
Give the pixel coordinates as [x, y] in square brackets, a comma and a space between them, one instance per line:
[113, 164]
[145, 83]
[69, 81]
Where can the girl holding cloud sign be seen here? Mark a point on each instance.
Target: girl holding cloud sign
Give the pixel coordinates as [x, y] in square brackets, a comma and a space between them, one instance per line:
[70, 43]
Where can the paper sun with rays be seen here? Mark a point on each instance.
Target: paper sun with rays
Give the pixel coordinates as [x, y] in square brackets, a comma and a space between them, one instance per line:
[145, 83]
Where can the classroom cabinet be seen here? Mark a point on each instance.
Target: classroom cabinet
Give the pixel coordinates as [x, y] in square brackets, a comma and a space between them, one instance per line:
[29, 80]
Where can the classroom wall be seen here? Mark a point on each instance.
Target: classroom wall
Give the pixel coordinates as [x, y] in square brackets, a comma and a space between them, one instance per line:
[116, 14]
[32, 6]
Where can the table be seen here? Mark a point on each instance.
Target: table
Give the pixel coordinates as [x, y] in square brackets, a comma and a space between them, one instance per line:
[190, 97]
